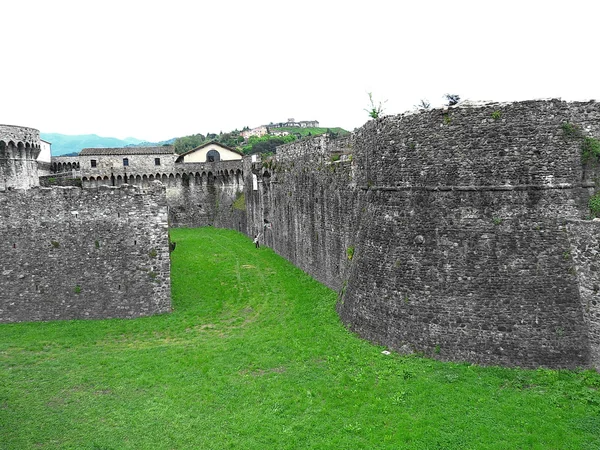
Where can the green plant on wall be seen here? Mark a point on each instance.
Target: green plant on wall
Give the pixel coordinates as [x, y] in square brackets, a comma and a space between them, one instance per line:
[594, 204]
[374, 111]
[570, 129]
[240, 202]
[350, 253]
[496, 115]
[590, 147]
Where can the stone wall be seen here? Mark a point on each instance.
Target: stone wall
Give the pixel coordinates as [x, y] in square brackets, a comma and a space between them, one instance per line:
[70, 253]
[205, 194]
[306, 206]
[584, 258]
[198, 194]
[455, 221]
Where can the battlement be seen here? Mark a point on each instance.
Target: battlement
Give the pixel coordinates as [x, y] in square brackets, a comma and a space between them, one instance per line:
[19, 148]
[17, 134]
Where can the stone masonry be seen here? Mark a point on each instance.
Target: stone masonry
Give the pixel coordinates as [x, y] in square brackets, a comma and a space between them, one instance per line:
[71, 253]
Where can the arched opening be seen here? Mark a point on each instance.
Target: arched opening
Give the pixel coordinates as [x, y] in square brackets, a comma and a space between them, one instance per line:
[185, 180]
[213, 156]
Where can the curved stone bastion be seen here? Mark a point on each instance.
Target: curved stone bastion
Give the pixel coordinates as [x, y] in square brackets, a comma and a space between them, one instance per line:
[19, 148]
[463, 233]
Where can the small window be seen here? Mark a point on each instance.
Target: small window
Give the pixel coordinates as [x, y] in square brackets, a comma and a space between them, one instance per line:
[125, 161]
[157, 161]
[93, 162]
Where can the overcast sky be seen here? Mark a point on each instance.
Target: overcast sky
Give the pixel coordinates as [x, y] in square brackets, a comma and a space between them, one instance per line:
[161, 69]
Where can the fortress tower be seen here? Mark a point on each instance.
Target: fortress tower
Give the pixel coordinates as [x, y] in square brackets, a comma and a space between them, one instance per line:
[19, 148]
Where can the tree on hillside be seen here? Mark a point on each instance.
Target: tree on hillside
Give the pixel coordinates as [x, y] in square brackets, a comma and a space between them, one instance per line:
[187, 143]
[265, 144]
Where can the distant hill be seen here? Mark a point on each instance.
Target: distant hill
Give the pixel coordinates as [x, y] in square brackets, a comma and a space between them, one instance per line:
[153, 144]
[63, 144]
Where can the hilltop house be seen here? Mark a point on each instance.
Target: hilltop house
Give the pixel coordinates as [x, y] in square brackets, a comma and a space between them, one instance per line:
[258, 131]
[293, 124]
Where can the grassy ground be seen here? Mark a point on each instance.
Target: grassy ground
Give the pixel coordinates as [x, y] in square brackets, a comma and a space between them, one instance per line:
[254, 357]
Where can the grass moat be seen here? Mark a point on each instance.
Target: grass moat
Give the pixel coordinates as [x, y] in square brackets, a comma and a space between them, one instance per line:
[254, 357]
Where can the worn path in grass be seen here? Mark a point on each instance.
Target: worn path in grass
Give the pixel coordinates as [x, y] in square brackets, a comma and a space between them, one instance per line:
[254, 357]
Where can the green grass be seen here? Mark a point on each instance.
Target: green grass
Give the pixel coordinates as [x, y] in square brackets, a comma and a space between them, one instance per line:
[254, 357]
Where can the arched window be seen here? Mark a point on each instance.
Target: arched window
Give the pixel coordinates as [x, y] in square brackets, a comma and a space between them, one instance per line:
[213, 156]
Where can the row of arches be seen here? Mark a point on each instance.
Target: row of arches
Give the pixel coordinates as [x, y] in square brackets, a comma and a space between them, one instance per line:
[19, 150]
[186, 179]
[58, 167]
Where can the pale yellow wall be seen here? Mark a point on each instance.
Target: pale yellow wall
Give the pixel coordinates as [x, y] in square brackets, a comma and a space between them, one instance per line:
[200, 155]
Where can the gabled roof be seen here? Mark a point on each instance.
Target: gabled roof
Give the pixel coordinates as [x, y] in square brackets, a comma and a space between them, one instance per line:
[180, 157]
[164, 150]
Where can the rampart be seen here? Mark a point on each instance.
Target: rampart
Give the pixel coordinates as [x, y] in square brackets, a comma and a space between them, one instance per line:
[198, 194]
[459, 233]
[70, 253]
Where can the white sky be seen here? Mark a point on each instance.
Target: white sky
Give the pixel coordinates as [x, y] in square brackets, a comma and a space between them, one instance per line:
[160, 69]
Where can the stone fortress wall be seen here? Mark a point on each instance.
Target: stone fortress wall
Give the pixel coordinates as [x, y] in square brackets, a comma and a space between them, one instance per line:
[460, 233]
[198, 194]
[457, 233]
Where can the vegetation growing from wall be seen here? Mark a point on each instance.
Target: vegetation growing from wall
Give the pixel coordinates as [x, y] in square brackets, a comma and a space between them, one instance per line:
[240, 202]
[594, 204]
[590, 146]
[254, 356]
